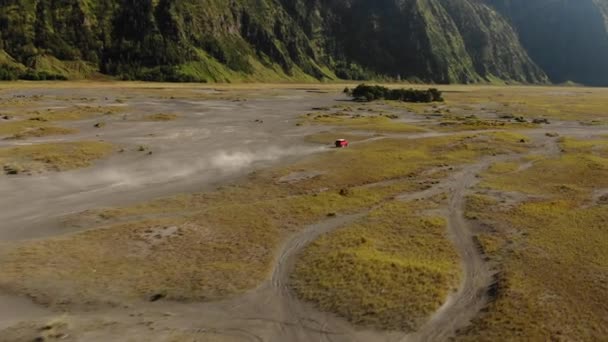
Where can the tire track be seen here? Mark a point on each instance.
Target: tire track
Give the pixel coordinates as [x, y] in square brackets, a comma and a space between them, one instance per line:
[478, 277]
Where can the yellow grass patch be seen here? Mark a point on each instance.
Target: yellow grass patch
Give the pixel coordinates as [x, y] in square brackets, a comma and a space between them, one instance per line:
[162, 117]
[479, 124]
[551, 253]
[503, 167]
[76, 113]
[391, 270]
[551, 280]
[40, 123]
[42, 132]
[594, 146]
[379, 123]
[11, 128]
[53, 156]
[570, 175]
[575, 104]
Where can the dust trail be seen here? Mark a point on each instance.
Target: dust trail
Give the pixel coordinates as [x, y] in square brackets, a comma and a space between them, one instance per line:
[157, 170]
[59, 194]
[236, 160]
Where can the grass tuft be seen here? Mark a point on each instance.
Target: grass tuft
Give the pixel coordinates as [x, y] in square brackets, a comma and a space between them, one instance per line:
[162, 117]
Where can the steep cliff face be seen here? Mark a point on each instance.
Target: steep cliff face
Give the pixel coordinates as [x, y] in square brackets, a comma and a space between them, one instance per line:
[230, 40]
[492, 43]
[443, 41]
[568, 39]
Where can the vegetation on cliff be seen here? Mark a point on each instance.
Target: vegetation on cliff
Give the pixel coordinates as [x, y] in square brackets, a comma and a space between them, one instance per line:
[450, 41]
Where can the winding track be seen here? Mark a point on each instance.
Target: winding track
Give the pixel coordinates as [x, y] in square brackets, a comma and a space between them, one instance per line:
[471, 296]
[272, 313]
[297, 321]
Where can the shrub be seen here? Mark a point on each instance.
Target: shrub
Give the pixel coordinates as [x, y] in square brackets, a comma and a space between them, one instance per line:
[8, 74]
[351, 71]
[370, 93]
[32, 75]
[163, 73]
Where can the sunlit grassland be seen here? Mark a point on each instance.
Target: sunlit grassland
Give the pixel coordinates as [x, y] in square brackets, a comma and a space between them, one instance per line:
[30, 128]
[587, 105]
[36, 107]
[551, 249]
[597, 146]
[37, 123]
[390, 270]
[475, 124]
[52, 156]
[503, 167]
[552, 102]
[162, 117]
[393, 268]
[42, 132]
[78, 112]
[223, 242]
[570, 175]
[580, 104]
[377, 123]
[219, 248]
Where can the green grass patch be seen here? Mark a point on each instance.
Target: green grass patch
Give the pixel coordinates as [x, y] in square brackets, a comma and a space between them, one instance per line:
[44, 64]
[391, 270]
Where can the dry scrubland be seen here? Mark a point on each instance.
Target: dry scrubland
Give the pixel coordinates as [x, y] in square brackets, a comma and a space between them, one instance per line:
[196, 248]
[560, 103]
[539, 213]
[23, 118]
[549, 245]
[17, 121]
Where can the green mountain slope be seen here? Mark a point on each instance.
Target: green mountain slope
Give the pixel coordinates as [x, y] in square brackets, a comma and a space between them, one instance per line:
[270, 40]
[492, 43]
[567, 38]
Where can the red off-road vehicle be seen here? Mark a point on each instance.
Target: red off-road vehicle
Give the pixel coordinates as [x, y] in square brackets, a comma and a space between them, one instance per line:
[341, 143]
